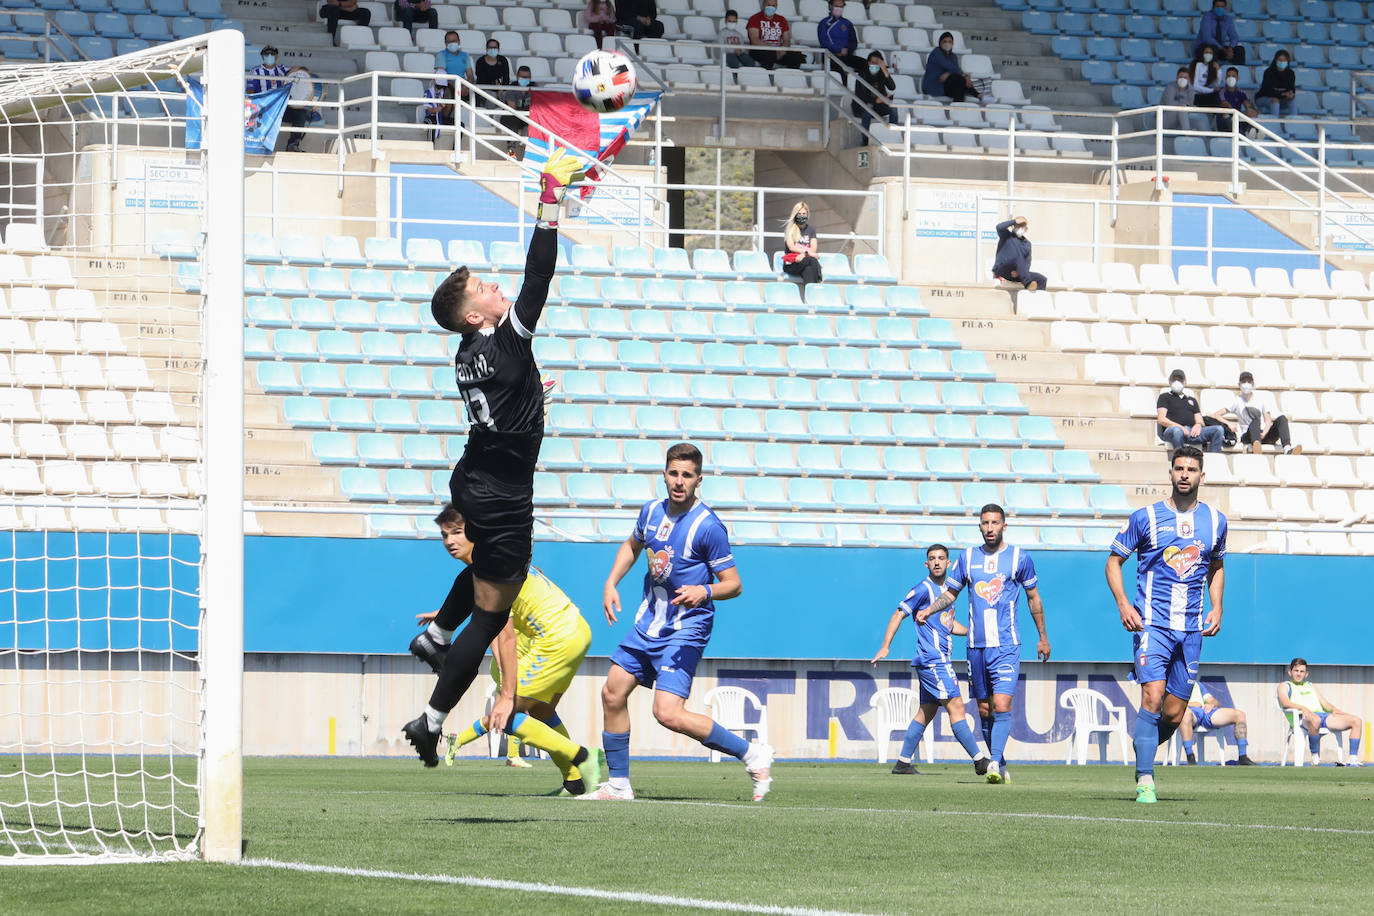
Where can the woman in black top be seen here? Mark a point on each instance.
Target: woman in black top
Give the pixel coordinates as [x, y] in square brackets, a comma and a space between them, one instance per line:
[873, 86]
[492, 69]
[799, 260]
[1277, 87]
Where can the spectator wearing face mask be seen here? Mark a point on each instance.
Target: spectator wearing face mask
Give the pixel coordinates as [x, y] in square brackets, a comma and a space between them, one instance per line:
[1179, 93]
[493, 69]
[1206, 78]
[454, 61]
[1218, 29]
[838, 36]
[1257, 420]
[409, 12]
[799, 260]
[1278, 87]
[270, 75]
[769, 27]
[600, 16]
[1013, 259]
[334, 10]
[517, 97]
[874, 86]
[731, 34]
[1232, 97]
[1179, 419]
[943, 76]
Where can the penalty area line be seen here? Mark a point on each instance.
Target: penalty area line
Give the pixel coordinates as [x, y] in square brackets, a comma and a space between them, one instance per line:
[533, 887]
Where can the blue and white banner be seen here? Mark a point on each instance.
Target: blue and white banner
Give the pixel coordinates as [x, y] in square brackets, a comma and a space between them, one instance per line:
[262, 114]
[625, 121]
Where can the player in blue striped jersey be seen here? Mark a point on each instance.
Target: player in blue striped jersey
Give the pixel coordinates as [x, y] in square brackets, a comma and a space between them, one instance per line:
[996, 574]
[1180, 544]
[934, 670]
[690, 568]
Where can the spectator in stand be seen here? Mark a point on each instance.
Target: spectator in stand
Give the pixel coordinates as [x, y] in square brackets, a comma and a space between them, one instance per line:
[493, 69]
[943, 76]
[1234, 98]
[409, 12]
[334, 10]
[1257, 419]
[1218, 29]
[1013, 258]
[638, 19]
[269, 75]
[838, 36]
[799, 260]
[1179, 94]
[437, 110]
[517, 97]
[1206, 78]
[600, 18]
[1180, 420]
[730, 34]
[1278, 86]
[454, 61]
[769, 27]
[874, 86]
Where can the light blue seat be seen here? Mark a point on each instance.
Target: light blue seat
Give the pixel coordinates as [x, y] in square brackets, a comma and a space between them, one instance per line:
[292, 344]
[266, 312]
[738, 422]
[937, 496]
[354, 315]
[391, 526]
[1098, 72]
[438, 416]
[827, 426]
[109, 25]
[304, 413]
[838, 393]
[775, 329]
[715, 357]
[962, 397]
[392, 415]
[1190, 146]
[590, 259]
[865, 299]
[854, 330]
[847, 361]
[384, 252]
[1133, 72]
[277, 378]
[753, 265]
[954, 429]
[1067, 499]
[327, 282]
[905, 461]
[712, 262]
[742, 294]
[1073, 466]
[1109, 500]
[661, 291]
[887, 535]
[285, 281]
[906, 300]
[672, 262]
[989, 464]
[775, 459]
[568, 420]
[1038, 22]
[761, 358]
[896, 331]
[631, 491]
[422, 350]
[766, 493]
[412, 284]
[581, 386]
[383, 346]
[363, 485]
[930, 364]
[731, 458]
[825, 298]
[732, 327]
[1059, 538]
[782, 294]
[205, 9]
[870, 427]
[620, 290]
[662, 387]
[1026, 499]
[785, 425]
[701, 422]
[1039, 431]
[970, 365]
[1138, 48]
[382, 450]
[1002, 397]
[632, 259]
[97, 47]
[873, 268]
[879, 394]
[594, 454]
[896, 497]
[809, 493]
[366, 380]
[635, 354]
[994, 429]
[692, 326]
[920, 396]
[588, 490]
[312, 313]
[937, 332]
[835, 266]
[1064, 47]
[409, 381]
[363, 282]
[470, 253]
[1032, 465]
[887, 363]
[454, 449]
[977, 495]
[548, 489]
[860, 461]
[614, 420]
[802, 534]
[1103, 47]
[946, 462]
[608, 323]
[806, 359]
[594, 352]
[151, 28]
[578, 290]
[398, 316]
[507, 255]
[338, 346]
[923, 536]
[350, 413]
[426, 253]
[322, 378]
[719, 491]
[302, 250]
[756, 391]
[1128, 97]
[658, 421]
[75, 23]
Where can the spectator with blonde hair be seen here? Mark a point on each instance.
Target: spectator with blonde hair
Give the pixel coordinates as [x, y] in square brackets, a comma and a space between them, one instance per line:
[799, 260]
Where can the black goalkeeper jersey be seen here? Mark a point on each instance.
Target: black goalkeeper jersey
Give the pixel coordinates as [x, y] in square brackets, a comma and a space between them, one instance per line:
[499, 380]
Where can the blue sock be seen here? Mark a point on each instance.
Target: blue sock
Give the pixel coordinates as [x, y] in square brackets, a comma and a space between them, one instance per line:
[1001, 731]
[1146, 740]
[1188, 747]
[964, 735]
[1314, 743]
[553, 721]
[1354, 747]
[1241, 745]
[617, 747]
[987, 729]
[727, 742]
[914, 731]
[515, 722]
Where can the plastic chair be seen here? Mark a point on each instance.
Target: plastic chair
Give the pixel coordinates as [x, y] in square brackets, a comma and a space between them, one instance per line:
[894, 705]
[1093, 714]
[1200, 735]
[1294, 745]
[729, 706]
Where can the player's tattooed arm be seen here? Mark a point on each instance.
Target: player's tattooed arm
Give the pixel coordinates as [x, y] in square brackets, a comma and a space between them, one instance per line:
[1130, 617]
[893, 623]
[947, 597]
[1216, 584]
[1037, 610]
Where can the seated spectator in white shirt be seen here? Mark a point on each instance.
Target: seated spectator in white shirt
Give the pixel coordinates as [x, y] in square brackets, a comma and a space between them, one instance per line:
[1257, 419]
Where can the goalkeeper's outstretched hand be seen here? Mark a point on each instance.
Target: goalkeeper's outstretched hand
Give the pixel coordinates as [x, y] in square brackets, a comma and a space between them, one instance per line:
[559, 171]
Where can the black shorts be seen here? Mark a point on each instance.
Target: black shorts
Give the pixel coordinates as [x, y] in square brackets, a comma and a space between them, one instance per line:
[498, 517]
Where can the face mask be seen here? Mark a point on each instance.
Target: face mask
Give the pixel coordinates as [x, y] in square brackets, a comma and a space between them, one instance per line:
[1282, 65]
[946, 46]
[769, 11]
[1176, 386]
[800, 219]
[1207, 58]
[1247, 389]
[523, 80]
[1020, 233]
[453, 47]
[491, 52]
[269, 59]
[1231, 82]
[732, 22]
[837, 11]
[1182, 83]
[873, 68]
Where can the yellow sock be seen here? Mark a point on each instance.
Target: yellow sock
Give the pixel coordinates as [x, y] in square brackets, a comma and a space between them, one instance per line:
[536, 734]
[561, 729]
[512, 747]
[471, 734]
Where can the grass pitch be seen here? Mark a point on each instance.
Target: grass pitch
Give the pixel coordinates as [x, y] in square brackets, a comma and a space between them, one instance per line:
[849, 837]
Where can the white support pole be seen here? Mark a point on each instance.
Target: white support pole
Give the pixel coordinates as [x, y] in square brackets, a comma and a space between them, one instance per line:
[221, 637]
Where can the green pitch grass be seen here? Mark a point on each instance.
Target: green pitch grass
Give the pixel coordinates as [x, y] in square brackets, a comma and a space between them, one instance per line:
[832, 836]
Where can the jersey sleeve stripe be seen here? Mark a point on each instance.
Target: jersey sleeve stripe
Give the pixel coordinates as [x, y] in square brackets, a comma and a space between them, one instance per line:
[517, 325]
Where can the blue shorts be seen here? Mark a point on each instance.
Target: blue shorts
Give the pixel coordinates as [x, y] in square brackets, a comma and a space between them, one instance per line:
[669, 667]
[993, 670]
[1202, 718]
[937, 682]
[1172, 656]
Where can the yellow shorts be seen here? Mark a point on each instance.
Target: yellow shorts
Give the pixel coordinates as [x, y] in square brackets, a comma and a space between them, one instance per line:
[548, 670]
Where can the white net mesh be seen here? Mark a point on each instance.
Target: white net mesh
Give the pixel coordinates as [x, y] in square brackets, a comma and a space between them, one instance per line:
[101, 464]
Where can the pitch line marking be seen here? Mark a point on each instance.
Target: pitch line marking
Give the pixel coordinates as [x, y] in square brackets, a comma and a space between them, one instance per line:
[595, 893]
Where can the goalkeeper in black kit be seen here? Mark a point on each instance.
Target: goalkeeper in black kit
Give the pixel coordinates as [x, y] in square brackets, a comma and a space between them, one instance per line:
[493, 483]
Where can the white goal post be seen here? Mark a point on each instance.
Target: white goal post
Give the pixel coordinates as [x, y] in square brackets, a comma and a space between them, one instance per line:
[121, 457]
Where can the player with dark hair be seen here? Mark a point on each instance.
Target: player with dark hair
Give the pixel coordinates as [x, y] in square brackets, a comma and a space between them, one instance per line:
[934, 671]
[690, 568]
[995, 573]
[493, 483]
[1180, 544]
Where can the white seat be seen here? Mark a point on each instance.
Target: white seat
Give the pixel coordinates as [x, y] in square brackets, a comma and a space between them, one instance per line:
[1341, 407]
[1341, 342]
[1311, 281]
[1189, 339]
[1219, 470]
[894, 706]
[1108, 337]
[1093, 714]
[1295, 471]
[1145, 370]
[61, 405]
[153, 408]
[1073, 305]
[19, 475]
[75, 304]
[50, 270]
[1191, 309]
[101, 337]
[1140, 402]
[179, 443]
[1220, 370]
[1036, 303]
[1249, 502]
[357, 38]
[1115, 307]
[1337, 438]
[518, 18]
[127, 372]
[88, 442]
[1232, 310]
[1119, 276]
[1104, 367]
[114, 478]
[1292, 505]
[1294, 749]
[1266, 342]
[1156, 308]
[161, 479]
[1071, 336]
[1332, 505]
[1158, 278]
[1312, 313]
[1271, 312]
[1235, 279]
[1350, 313]
[66, 477]
[1196, 278]
[1225, 339]
[1300, 405]
[1081, 275]
[40, 440]
[729, 707]
[1273, 281]
[1253, 470]
[1302, 373]
[1148, 338]
[54, 337]
[384, 60]
[25, 238]
[1348, 283]
[134, 443]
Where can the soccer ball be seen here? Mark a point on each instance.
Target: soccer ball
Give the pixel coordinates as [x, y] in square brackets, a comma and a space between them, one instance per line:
[603, 81]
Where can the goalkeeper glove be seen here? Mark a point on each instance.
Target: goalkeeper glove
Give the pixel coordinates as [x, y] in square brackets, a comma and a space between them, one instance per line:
[559, 171]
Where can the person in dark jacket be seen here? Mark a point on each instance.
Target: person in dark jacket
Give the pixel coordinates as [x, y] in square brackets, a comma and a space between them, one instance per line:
[1278, 87]
[943, 76]
[1014, 255]
[638, 19]
[1218, 29]
[873, 86]
[838, 36]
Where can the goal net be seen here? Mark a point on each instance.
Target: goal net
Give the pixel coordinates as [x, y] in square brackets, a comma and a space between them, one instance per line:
[121, 456]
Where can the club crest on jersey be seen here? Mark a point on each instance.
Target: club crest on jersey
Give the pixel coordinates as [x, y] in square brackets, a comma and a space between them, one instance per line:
[1183, 559]
[1185, 528]
[661, 564]
[665, 528]
[990, 589]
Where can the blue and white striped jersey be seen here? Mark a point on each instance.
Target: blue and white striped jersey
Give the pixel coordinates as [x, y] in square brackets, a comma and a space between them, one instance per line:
[996, 582]
[1175, 550]
[934, 641]
[689, 549]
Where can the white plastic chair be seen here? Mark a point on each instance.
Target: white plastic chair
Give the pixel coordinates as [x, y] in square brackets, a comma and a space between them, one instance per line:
[728, 706]
[1200, 735]
[1294, 747]
[1093, 714]
[494, 748]
[894, 713]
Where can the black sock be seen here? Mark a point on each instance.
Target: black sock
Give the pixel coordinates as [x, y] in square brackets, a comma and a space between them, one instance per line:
[458, 605]
[465, 657]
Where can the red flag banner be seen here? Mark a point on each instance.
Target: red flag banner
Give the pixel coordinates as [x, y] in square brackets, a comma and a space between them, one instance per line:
[560, 113]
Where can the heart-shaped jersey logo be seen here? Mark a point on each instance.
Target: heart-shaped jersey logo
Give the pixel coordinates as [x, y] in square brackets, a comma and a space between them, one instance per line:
[1182, 559]
[990, 590]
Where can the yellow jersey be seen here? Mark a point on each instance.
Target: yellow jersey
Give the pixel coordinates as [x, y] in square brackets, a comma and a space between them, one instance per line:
[542, 613]
[1305, 695]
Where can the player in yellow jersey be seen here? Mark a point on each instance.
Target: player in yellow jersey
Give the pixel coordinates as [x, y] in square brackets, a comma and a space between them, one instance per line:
[1302, 701]
[557, 640]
